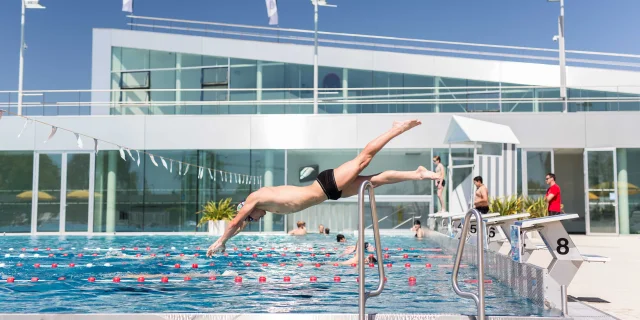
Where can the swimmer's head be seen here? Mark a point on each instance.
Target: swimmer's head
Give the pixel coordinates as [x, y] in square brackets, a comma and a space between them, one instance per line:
[254, 215]
[341, 238]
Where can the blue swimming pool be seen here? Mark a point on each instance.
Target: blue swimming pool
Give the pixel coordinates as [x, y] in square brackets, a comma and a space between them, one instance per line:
[62, 288]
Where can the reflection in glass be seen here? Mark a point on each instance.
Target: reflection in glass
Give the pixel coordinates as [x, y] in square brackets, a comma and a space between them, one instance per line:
[77, 209]
[16, 184]
[538, 165]
[49, 183]
[629, 190]
[602, 192]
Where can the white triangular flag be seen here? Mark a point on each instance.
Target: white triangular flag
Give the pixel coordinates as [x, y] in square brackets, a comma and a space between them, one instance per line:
[138, 151]
[153, 160]
[164, 163]
[200, 172]
[214, 175]
[210, 175]
[53, 132]
[130, 155]
[186, 169]
[127, 6]
[122, 154]
[179, 168]
[171, 166]
[95, 145]
[26, 122]
[78, 140]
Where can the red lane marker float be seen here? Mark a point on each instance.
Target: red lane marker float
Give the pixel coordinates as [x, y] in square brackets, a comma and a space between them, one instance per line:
[283, 264]
[273, 248]
[95, 254]
[476, 281]
[335, 264]
[164, 279]
[19, 264]
[317, 265]
[196, 255]
[255, 255]
[177, 266]
[399, 249]
[386, 249]
[187, 278]
[313, 279]
[122, 248]
[79, 255]
[248, 249]
[23, 249]
[148, 249]
[405, 256]
[287, 279]
[357, 279]
[137, 255]
[327, 255]
[72, 265]
[354, 265]
[34, 279]
[285, 248]
[412, 281]
[11, 279]
[35, 249]
[239, 254]
[61, 278]
[212, 278]
[310, 249]
[235, 248]
[284, 254]
[182, 254]
[92, 279]
[116, 279]
[50, 255]
[412, 249]
[265, 264]
[60, 249]
[135, 248]
[268, 255]
[300, 264]
[226, 254]
[230, 264]
[407, 265]
[370, 265]
[297, 254]
[64, 254]
[428, 265]
[389, 265]
[48, 249]
[153, 254]
[194, 266]
[211, 264]
[54, 265]
[167, 255]
[140, 279]
[238, 279]
[37, 265]
[386, 256]
[262, 279]
[313, 254]
[259, 249]
[336, 279]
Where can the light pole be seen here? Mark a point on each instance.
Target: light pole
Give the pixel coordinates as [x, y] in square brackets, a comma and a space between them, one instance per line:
[26, 4]
[316, 3]
[563, 67]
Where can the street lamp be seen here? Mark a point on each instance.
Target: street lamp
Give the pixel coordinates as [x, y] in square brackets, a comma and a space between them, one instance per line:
[316, 3]
[563, 68]
[26, 4]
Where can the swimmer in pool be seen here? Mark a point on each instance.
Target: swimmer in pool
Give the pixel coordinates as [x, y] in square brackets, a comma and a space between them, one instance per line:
[354, 259]
[333, 184]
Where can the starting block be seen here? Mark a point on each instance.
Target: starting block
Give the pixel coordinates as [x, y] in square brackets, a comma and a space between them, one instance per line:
[498, 232]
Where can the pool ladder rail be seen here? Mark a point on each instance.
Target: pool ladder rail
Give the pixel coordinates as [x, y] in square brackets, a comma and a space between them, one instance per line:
[362, 294]
[479, 298]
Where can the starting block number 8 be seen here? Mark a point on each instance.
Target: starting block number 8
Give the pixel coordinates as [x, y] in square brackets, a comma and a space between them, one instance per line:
[563, 246]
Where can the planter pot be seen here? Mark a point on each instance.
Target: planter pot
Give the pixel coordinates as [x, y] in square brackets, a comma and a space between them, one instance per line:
[216, 228]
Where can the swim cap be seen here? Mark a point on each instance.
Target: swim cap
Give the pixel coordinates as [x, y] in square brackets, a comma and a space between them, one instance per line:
[240, 205]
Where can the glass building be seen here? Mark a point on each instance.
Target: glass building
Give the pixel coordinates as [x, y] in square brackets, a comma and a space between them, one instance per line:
[245, 107]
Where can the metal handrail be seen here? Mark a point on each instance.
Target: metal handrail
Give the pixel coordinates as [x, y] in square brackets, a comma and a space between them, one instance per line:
[362, 295]
[479, 298]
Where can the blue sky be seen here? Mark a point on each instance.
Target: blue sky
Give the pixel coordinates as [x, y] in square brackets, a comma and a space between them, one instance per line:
[59, 37]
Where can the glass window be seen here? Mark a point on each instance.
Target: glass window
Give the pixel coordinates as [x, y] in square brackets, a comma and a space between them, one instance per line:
[163, 79]
[452, 95]
[161, 59]
[480, 93]
[190, 79]
[243, 76]
[135, 80]
[359, 79]
[538, 165]
[77, 209]
[416, 81]
[134, 59]
[490, 149]
[407, 161]
[298, 76]
[49, 191]
[119, 187]
[387, 80]
[628, 161]
[214, 84]
[329, 78]
[547, 93]
[629, 106]
[273, 77]
[516, 99]
[190, 60]
[16, 185]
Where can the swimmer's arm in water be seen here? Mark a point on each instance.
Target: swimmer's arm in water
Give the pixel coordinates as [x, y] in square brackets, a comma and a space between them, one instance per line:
[234, 227]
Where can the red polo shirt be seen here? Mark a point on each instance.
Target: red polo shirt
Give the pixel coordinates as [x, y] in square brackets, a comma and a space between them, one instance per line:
[554, 204]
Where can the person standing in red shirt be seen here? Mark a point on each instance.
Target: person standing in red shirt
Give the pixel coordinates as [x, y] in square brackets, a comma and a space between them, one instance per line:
[553, 196]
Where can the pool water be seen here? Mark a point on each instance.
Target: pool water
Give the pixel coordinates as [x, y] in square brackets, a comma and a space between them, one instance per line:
[67, 289]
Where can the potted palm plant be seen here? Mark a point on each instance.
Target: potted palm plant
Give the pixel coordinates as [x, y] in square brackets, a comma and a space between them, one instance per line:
[216, 214]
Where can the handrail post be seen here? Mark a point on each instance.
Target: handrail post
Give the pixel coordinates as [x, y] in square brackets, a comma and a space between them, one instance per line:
[479, 298]
[363, 296]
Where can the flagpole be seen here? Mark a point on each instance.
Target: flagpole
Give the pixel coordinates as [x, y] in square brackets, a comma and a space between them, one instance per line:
[21, 66]
[315, 57]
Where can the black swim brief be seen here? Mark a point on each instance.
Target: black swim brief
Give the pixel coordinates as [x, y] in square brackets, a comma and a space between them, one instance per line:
[444, 183]
[483, 210]
[327, 181]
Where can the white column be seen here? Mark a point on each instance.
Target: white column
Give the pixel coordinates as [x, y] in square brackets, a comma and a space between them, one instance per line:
[111, 191]
[259, 85]
[268, 182]
[99, 201]
[345, 89]
[436, 84]
[178, 81]
[21, 65]
[623, 192]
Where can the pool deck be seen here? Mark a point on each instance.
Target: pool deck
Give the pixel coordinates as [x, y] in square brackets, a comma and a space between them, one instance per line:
[616, 281]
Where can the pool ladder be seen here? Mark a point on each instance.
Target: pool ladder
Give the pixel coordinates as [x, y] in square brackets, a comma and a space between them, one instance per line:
[479, 298]
[362, 295]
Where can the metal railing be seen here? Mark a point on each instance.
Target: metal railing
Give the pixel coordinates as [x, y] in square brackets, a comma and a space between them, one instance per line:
[479, 298]
[362, 295]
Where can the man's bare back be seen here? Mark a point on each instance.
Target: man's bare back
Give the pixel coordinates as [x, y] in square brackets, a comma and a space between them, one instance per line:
[289, 199]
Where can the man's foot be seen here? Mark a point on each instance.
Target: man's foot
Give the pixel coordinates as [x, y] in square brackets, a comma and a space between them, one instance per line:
[423, 173]
[406, 125]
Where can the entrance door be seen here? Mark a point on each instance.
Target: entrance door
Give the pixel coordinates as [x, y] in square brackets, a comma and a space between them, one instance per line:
[63, 197]
[602, 193]
[536, 163]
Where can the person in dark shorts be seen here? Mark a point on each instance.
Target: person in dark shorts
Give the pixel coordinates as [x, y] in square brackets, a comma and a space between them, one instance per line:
[440, 181]
[342, 182]
[553, 196]
[481, 201]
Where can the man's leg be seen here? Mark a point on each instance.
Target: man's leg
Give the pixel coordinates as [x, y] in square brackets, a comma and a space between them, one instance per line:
[388, 177]
[349, 171]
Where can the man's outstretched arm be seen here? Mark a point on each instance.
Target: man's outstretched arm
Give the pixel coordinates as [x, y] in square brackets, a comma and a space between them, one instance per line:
[234, 227]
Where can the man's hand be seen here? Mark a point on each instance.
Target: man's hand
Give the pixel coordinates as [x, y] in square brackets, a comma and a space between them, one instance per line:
[216, 247]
